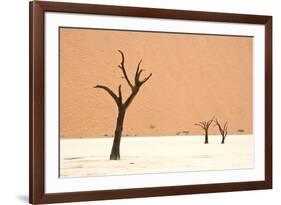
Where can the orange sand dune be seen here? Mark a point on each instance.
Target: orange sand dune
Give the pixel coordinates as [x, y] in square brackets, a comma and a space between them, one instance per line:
[195, 77]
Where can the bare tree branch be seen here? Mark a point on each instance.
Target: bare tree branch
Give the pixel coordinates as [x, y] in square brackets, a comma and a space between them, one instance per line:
[202, 123]
[202, 126]
[138, 67]
[139, 82]
[122, 67]
[225, 126]
[146, 79]
[120, 93]
[223, 131]
[205, 124]
[210, 122]
[135, 88]
[137, 77]
[218, 125]
[110, 92]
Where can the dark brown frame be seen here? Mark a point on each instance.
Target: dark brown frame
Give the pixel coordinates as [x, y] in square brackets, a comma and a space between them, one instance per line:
[36, 113]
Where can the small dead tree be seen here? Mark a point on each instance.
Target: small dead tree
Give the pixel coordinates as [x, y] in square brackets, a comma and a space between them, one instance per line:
[123, 104]
[223, 130]
[205, 126]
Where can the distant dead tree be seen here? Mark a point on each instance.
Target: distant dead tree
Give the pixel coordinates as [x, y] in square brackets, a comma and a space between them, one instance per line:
[123, 105]
[223, 130]
[205, 126]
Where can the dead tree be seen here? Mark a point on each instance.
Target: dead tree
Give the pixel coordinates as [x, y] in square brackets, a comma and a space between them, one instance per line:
[223, 130]
[123, 104]
[205, 126]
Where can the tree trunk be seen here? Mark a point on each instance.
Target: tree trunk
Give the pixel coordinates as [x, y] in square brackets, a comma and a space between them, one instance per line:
[115, 151]
[206, 137]
[223, 138]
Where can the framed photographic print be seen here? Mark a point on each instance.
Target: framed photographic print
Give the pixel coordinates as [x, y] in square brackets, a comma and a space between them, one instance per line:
[139, 102]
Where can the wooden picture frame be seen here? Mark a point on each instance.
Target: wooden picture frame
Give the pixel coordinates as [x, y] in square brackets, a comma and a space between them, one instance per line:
[37, 194]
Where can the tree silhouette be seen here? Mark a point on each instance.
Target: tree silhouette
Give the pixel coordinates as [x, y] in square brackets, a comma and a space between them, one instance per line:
[123, 105]
[205, 126]
[223, 130]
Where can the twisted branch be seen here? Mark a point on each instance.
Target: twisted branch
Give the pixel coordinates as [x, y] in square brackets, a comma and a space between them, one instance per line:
[223, 130]
[205, 124]
[110, 92]
[134, 88]
[122, 67]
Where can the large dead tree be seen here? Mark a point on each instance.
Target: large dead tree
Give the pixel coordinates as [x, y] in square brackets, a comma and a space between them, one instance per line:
[205, 126]
[123, 104]
[223, 130]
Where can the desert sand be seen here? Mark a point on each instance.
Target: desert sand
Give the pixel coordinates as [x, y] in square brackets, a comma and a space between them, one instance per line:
[194, 77]
[139, 155]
